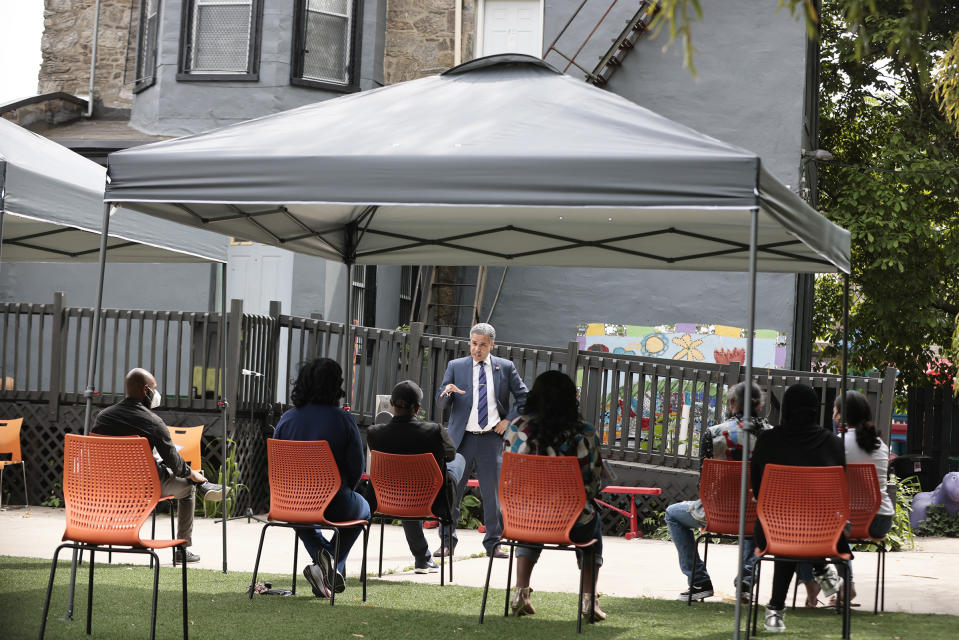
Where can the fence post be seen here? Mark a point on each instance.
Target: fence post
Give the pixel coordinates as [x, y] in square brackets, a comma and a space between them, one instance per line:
[884, 419]
[273, 353]
[57, 349]
[414, 354]
[234, 338]
[572, 353]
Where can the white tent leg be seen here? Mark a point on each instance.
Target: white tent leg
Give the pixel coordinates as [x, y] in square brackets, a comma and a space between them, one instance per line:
[224, 405]
[347, 335]
[92, 355]
[747, 412]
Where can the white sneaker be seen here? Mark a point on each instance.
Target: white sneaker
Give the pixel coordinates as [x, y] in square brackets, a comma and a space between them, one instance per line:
[774, 620]
[829, 581]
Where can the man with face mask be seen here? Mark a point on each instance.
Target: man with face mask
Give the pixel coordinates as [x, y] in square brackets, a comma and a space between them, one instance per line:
[134, 416]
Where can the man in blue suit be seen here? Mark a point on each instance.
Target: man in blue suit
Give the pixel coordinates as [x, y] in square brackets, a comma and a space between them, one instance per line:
[479, 387]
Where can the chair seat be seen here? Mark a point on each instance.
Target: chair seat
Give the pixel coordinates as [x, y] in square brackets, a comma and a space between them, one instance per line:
[558, 545]
[802, 558]
[345, 523]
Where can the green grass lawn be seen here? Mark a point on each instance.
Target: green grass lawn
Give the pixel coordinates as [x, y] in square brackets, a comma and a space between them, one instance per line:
[219, 608]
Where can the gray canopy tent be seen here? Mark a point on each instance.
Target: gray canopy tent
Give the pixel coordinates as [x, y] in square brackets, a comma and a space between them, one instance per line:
[50, 204]
[501, 160]
[51, 200]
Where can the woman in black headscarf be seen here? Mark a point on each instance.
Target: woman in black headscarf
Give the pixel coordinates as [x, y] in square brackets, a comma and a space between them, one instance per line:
[799, 441]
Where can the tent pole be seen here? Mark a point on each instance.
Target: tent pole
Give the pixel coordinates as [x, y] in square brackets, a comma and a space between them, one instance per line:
[224, 405]
[2, 212]
[845, 356]
[347, 334]
[92, 354]
[747, 413]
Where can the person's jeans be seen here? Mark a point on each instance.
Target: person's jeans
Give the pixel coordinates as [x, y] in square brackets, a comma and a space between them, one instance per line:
[346, 505]
[414, 528]
[682, 527]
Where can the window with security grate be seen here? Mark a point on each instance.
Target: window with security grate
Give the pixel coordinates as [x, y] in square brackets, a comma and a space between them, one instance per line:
[147, 44]
[326, 44]
[220, 39]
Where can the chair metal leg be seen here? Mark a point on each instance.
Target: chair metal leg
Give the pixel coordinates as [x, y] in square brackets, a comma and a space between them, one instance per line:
[795, 588]
[256, 565]
[509, 577]
[174, 507]
[90, 594]
[336, 556]
[186, 623]
[379, 571]
[579, 599]
[156, 591]
[296, 550]
[883, 554]
[489, 571]
[366, 540]
[449, 545]
[46, 602]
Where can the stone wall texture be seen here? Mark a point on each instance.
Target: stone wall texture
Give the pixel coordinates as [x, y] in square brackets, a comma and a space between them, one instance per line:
[420, 37]
[66, 45]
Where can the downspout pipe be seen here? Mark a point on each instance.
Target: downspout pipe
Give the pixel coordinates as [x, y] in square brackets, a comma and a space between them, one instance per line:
[93, 55]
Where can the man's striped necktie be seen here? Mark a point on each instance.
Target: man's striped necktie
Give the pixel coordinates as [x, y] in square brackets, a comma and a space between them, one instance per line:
[482, 408]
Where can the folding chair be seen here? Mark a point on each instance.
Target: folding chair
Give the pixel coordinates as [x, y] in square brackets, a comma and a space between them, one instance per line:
[10, 445]
[541, 497]
[110, 486]
[719, 484]
[303, 480]
[802, 511]
[406, 485]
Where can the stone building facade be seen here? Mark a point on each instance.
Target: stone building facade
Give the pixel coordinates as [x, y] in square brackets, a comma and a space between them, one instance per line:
[421, 37]
[67, 44]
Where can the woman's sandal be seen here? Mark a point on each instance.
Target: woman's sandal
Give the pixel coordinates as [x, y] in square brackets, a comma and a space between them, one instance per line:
[812, 594]
[520, 603]
[842, 591]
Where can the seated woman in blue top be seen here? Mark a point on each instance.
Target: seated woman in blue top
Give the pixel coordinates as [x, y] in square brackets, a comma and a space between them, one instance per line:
[551, 425]
[316, 415]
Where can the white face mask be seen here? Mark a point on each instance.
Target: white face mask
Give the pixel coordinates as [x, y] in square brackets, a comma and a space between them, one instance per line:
[154, 398]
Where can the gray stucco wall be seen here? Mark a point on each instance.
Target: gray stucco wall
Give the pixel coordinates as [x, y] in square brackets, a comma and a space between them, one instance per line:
[184, 287]
[172, 107]
[749, 92]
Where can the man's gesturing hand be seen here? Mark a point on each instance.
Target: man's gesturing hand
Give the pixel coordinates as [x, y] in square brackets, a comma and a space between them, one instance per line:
[452, 388]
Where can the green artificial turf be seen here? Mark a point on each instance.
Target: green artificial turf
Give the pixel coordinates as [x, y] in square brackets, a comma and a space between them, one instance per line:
[219, 608]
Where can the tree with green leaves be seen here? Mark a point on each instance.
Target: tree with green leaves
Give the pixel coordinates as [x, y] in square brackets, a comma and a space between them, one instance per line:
[894, 184]
[889, 113]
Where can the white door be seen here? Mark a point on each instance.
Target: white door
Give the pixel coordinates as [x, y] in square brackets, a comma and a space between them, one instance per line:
[512, 26]
[260, 273]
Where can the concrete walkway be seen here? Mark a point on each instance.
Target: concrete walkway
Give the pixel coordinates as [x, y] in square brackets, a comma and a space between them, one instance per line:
[920, 581]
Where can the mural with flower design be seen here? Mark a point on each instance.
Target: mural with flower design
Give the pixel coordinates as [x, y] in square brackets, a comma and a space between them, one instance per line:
[685, 341]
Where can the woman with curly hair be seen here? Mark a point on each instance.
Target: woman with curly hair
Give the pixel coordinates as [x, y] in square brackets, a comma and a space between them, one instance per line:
[551, 425]
[316, 415]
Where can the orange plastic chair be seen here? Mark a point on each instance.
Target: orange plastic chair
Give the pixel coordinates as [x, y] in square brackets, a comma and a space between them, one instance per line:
[189, 440]
[719, 485]
[10, 445]
[110, 486]
[803, 511]
[303, 480]
[865, 498]
[541, 497]
[406, 485]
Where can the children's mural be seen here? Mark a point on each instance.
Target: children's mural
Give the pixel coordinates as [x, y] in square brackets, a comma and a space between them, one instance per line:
[675, 414]
[685, 341]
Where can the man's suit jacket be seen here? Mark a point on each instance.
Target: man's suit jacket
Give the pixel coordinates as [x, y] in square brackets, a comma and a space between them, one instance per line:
[505, 381]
